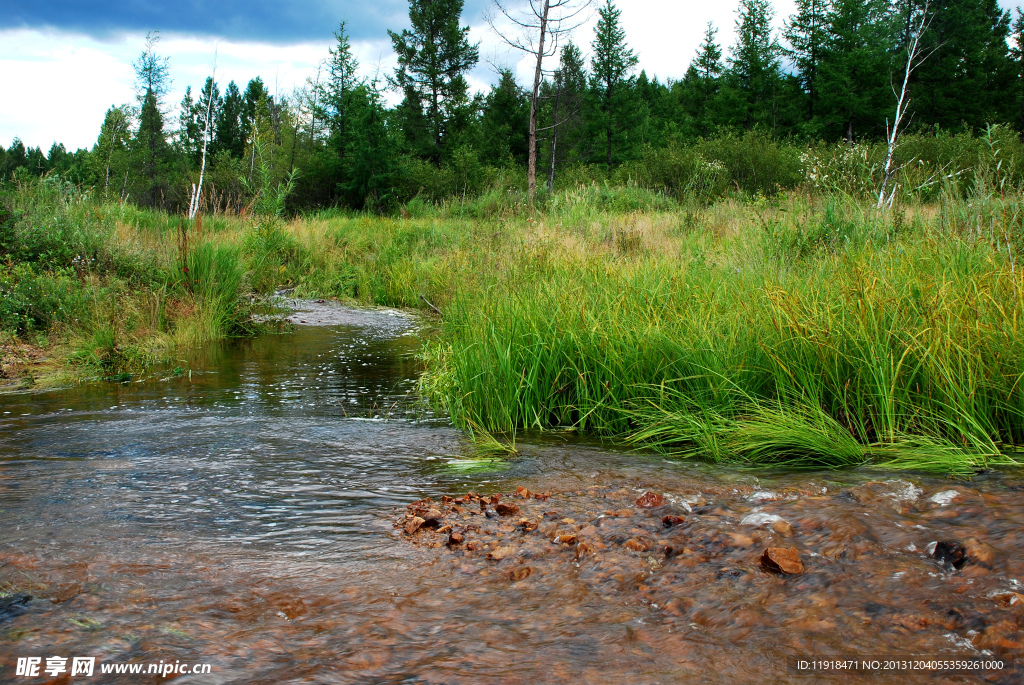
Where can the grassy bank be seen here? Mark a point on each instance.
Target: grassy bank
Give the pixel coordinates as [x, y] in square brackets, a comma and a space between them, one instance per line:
[801, 328]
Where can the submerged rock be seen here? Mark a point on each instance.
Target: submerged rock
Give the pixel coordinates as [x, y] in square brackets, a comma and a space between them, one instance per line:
[951, 553]
[782, 560]
[979, 552]
[650, 500]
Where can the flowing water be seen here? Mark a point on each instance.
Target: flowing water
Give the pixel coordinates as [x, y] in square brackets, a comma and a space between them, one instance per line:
[246, 510]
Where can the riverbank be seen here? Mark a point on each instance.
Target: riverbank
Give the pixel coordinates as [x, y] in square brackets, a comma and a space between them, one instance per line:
[804, 330]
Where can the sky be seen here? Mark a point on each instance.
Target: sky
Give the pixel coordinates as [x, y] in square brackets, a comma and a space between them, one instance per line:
[64, 62]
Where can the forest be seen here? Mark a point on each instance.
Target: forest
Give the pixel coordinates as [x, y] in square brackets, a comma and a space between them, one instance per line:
[829, 76]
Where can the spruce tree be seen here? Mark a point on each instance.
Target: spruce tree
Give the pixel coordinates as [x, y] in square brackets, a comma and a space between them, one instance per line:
[433, 58]
[341, 80]
[228, 136]
[610, 81]
[702, 81]
[854, 64]
[372, 153]
[968, 74]
[807, 32]
[505, 122]
[192, 120]
[564, 97]
[150, 147]
[755, 74]
[1017, 53]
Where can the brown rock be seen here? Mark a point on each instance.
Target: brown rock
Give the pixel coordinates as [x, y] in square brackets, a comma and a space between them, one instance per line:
[740, 540]
[542, 497]
[523, 492]
[506, 509]
[669, 521]
[455, 539]
[506, 529]
[499, 553]
[782, 560]
[636, 545]
[979, 552]
[584, 550]
[678, 606]
[413, 525]
[520, 573]
[431, 517]
[566, 538]
[528, 525]
[650, 500]
[784, 528]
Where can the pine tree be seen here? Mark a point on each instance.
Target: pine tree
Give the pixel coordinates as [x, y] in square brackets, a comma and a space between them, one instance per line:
[703, 80]
[564, 98]
[855, 93]
[610, 80]
[228, 135]
[505, 122]
[969, 73]
[341, 79]
[150, 145]
[1017, 53]
[372, 160]
[255, 99]
[192, 120]
[755, 74]
[807, 33]
[433, 58]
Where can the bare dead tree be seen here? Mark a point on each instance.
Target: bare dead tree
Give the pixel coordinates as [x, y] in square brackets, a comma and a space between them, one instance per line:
[197, 191]
[916, 56]
[537, 26]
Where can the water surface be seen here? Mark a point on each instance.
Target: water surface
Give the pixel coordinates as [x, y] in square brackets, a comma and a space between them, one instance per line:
[242, 512]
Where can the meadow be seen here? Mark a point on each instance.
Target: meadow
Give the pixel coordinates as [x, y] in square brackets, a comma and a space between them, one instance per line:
[740, 300]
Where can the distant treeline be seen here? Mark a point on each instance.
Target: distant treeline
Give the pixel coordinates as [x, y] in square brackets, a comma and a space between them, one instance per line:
[827, 76]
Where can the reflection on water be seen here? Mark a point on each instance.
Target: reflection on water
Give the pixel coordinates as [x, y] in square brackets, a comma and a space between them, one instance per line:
[241, 513]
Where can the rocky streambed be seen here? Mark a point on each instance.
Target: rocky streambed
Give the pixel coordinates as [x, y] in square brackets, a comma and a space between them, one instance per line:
[878, 569]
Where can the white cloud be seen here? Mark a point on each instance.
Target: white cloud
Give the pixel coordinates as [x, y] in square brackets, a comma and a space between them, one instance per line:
[59, 85]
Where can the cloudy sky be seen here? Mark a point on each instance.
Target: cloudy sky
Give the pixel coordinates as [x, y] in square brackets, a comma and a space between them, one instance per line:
[64, 62]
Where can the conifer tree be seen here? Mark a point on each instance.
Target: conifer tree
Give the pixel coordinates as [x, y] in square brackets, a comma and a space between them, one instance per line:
[1017, 53]
[228, 136]
[755, 67]
[807, 33]
[702, 81]
[968, 71]
[372, 160]
[192, 120]
[611, 67]
[341, 80]
[564, 96]
[433, 58]
[505, 121]
[152, 82]
[853, 68]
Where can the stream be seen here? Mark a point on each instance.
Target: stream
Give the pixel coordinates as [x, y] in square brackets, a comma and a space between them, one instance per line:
[246, 507]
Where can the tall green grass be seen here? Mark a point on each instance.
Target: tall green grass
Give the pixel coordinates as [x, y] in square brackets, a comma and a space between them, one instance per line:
[826, 337]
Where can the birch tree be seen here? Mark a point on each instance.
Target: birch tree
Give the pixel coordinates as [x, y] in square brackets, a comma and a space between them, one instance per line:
[915, 57]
